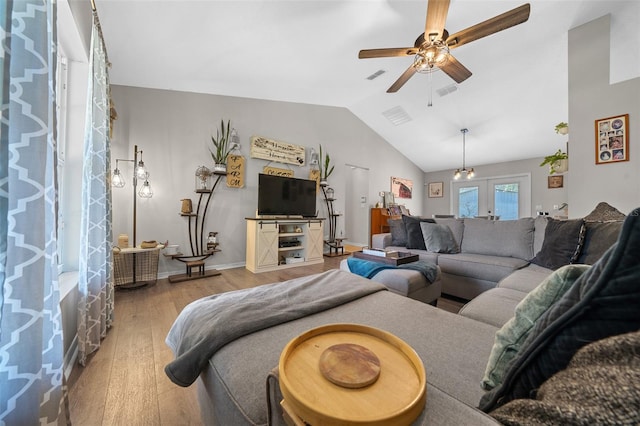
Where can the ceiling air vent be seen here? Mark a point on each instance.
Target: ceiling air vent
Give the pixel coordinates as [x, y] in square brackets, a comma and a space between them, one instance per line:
[376, 75]
[443, 91]
[397, 115]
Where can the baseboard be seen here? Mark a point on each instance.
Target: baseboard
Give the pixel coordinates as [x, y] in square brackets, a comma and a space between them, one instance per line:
[70, 357]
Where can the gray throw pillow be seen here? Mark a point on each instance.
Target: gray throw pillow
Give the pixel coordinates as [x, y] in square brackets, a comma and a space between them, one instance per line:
[598, 238]
[398, 232]
[456, 226]
[562, 244]
[415, 240]
[438, 238]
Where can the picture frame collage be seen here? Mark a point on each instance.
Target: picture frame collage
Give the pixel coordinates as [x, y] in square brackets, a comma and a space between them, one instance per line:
[612, 139]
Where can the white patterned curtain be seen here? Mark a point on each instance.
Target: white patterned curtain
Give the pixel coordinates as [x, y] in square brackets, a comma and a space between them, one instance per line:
[95, 309]
[31, 352]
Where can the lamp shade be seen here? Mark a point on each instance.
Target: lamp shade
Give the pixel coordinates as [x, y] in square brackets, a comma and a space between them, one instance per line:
[145, 190]
[117, 180]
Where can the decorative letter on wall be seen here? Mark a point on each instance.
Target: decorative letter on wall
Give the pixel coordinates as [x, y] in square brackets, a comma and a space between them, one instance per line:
[281, 152]
[235, 171]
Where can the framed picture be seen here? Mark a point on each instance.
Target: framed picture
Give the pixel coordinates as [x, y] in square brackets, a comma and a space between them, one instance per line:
[436, 190]
[555, 181]
[612, 139]
[401, 188]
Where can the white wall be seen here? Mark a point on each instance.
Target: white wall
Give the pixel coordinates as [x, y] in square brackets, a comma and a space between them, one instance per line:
[174, 128]
[592, 97]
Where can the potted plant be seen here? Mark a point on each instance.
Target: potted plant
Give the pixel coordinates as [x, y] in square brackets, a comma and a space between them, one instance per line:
[222, 147]
[562, 128]
[325, 167]
[557, 162]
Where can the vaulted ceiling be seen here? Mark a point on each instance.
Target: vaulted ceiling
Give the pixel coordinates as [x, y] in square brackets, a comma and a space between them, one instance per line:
[306, 51]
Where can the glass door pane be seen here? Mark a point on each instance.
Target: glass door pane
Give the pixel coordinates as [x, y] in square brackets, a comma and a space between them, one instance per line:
[505, 200]
[468, 201]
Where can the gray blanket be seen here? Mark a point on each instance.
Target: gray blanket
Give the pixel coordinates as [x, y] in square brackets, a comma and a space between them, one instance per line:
[207, 324]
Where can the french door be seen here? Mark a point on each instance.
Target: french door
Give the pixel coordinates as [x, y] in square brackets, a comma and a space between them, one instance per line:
[507, 197]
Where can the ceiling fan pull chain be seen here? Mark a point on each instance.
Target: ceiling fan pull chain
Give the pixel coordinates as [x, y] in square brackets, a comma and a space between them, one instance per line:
[430, 104]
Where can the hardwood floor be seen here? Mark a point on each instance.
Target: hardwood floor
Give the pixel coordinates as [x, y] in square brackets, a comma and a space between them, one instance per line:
[124, 382]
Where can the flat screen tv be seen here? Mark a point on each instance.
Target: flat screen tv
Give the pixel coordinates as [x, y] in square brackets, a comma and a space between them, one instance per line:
[285, 196]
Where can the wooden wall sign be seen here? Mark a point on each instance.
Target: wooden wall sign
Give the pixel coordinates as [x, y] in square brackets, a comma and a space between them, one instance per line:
[274, 171]
[314, 174]
[235, 171]
[282, 152]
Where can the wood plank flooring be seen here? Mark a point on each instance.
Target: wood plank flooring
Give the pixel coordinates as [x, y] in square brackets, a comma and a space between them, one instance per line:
[124, 382]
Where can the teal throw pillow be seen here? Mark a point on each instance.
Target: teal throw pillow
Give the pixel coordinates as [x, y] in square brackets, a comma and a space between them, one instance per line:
[512, 335]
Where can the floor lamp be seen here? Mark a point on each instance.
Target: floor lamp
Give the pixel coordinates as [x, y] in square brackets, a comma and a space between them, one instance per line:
[141, 173]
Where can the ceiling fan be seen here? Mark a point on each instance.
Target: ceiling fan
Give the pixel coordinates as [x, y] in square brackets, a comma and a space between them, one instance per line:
[431, 48]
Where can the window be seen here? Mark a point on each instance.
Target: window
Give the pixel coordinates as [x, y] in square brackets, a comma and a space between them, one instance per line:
[61, 123]
[507, 197]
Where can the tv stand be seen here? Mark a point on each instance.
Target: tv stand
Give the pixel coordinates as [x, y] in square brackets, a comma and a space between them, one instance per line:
[274, 243]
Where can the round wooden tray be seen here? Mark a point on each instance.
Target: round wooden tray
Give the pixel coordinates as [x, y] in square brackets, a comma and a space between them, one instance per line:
[398, 396]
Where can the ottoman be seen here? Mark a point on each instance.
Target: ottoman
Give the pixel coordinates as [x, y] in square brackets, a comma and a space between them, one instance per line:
[408, 283]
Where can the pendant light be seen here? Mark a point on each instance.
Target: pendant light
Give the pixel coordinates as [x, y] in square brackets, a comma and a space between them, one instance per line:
[469, 173]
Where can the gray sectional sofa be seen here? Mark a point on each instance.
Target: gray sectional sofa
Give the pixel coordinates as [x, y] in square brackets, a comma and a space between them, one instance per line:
[598, 304]
[483, 252]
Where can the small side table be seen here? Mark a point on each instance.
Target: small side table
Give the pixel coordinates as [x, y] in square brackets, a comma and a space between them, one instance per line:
[135, 267]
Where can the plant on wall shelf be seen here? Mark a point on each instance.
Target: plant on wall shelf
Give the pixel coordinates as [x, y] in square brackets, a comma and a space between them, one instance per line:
[562, 128]
[325, 167]
[222, 146]
[557, 162]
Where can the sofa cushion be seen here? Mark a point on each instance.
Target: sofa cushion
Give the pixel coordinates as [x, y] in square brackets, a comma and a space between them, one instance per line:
[600, 386]
[398, 232]
[510, 337]
[602, 302]
[525, 279]
[494, 307]
[598, 238]
[438, 238]
[512, 238]
[415, 240]
[456, 226]
[562, 243]
[480, 266]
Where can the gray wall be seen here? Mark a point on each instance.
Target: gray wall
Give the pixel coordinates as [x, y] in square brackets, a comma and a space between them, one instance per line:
[174, 128]
[540, 194]
[591, 97]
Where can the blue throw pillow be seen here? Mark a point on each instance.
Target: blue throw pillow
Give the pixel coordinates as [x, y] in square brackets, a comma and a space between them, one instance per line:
[602, 302]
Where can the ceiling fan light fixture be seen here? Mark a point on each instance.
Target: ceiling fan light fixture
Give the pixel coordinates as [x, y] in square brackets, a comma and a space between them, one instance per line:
[434, 55]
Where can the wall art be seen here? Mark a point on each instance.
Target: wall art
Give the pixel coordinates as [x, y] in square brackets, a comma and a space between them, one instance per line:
[401, 188]
[235, 171]
[282, 152]
[436, 190]
[612, 139]
[555, 181]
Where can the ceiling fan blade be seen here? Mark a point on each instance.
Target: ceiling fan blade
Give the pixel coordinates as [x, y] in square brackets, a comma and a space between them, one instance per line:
[386, 53]
[455, 70]
[498, 23]
[402, 80]
[436, 18]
